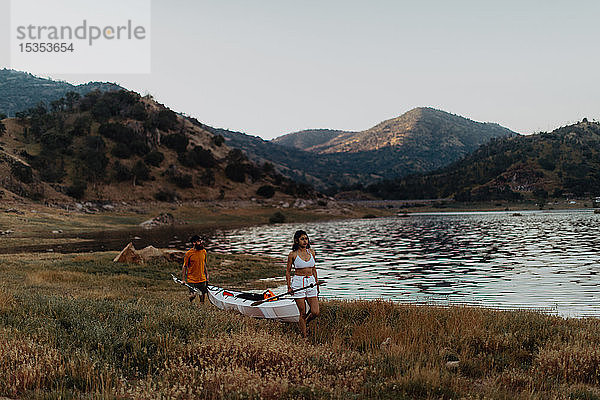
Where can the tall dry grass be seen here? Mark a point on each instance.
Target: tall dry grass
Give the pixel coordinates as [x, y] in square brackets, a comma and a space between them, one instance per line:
[82, 327]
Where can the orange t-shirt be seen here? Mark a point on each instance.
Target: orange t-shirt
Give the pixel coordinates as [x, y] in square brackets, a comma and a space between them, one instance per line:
[195, 260]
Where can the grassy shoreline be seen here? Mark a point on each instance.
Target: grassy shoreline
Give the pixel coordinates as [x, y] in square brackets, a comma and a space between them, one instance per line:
[80, 326]
[53, 225]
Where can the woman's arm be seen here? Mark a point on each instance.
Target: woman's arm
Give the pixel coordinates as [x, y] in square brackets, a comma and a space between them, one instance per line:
[288, 271]
[314, 271]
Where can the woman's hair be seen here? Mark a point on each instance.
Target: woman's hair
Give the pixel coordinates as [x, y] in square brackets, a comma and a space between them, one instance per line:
[297, 238]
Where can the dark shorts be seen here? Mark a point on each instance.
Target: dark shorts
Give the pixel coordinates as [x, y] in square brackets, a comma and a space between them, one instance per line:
[202, 286]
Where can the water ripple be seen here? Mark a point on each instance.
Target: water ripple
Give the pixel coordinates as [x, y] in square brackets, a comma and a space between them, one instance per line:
[536, 260]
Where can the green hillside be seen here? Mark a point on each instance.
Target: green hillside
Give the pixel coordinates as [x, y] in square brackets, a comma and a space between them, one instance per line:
[419, 141]
[21, 91]
[332, 172]
[121, 146]
[564, 161]
[307, 139]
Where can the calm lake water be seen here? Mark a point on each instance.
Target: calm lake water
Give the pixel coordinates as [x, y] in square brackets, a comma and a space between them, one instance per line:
[545, 260]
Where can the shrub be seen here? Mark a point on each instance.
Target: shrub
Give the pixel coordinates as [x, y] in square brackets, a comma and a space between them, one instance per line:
[176, 141]
[101, 111]
[139, 147]
[121, 150]
[198, 156]
[236, 156]
[111, 104]
[77, 189]
[268, 167]
[154, 158]
[167, 120]
[138, 112]
[93, 157]
[297, 189]
[207, 178]
[2, 129]
[22, 172]
[165, 195]
[21, 116]
[266, 191]
[54, 141]
[71, 98]
[183, 181]
[218, 140]
[254, 172]
[117, 132]
[89, 100]
[277, 218]
[82, 126]
[236, 172]
[50, 167]
[141, 171]
[121, 173]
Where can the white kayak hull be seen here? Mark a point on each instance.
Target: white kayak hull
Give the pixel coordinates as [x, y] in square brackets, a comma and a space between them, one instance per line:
[284, 310]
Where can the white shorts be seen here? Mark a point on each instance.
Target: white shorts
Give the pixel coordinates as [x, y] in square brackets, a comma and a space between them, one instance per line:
[299, 281]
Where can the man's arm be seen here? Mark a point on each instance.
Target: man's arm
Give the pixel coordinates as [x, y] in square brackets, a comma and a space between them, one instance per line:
[184, 268]
[184, 273]
[206, 266]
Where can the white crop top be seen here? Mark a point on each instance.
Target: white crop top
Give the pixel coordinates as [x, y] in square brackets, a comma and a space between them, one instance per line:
[300, 263]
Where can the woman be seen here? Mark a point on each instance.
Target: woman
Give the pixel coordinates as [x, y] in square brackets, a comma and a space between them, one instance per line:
[302, 257]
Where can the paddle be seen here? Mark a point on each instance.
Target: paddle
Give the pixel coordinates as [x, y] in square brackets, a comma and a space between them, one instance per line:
[256, 303]
[177, 280]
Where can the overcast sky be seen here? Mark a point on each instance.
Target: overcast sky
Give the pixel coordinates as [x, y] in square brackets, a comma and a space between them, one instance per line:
[268, 68]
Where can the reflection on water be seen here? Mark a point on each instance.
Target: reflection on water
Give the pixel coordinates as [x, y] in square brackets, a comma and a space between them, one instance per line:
[544, 260]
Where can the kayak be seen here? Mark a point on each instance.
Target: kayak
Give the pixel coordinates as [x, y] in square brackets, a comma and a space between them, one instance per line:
[254, 304]
[284, 310]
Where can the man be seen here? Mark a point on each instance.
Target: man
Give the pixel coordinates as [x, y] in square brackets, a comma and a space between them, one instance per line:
[194, 270]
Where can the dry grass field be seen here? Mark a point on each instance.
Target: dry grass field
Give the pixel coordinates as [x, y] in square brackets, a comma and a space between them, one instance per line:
[80, 326]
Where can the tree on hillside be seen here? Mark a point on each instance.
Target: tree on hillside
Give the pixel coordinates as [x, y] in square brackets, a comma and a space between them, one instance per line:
[176, 141]
[2, 129]
[167, 120]
[71, 98]
[541, 197]
[57, 105]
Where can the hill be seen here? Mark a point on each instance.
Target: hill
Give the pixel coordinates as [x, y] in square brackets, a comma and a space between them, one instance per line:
[308, 139]
[121, 146]
[418, 128]
[20, 91]
[419, 141]
[564, 161]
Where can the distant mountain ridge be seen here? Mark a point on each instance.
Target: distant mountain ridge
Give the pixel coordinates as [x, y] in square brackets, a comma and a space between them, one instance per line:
[20, 91]
[422, 126]
[565, 161]
[418, 141]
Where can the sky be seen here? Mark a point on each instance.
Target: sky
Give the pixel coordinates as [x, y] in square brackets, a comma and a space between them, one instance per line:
[270, 67]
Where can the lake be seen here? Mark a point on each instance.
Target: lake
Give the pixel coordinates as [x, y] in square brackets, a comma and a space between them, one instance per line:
[546, 260]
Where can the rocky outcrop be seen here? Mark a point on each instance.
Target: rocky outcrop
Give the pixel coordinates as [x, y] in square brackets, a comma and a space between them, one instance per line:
[160, 220]
[130, 255]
